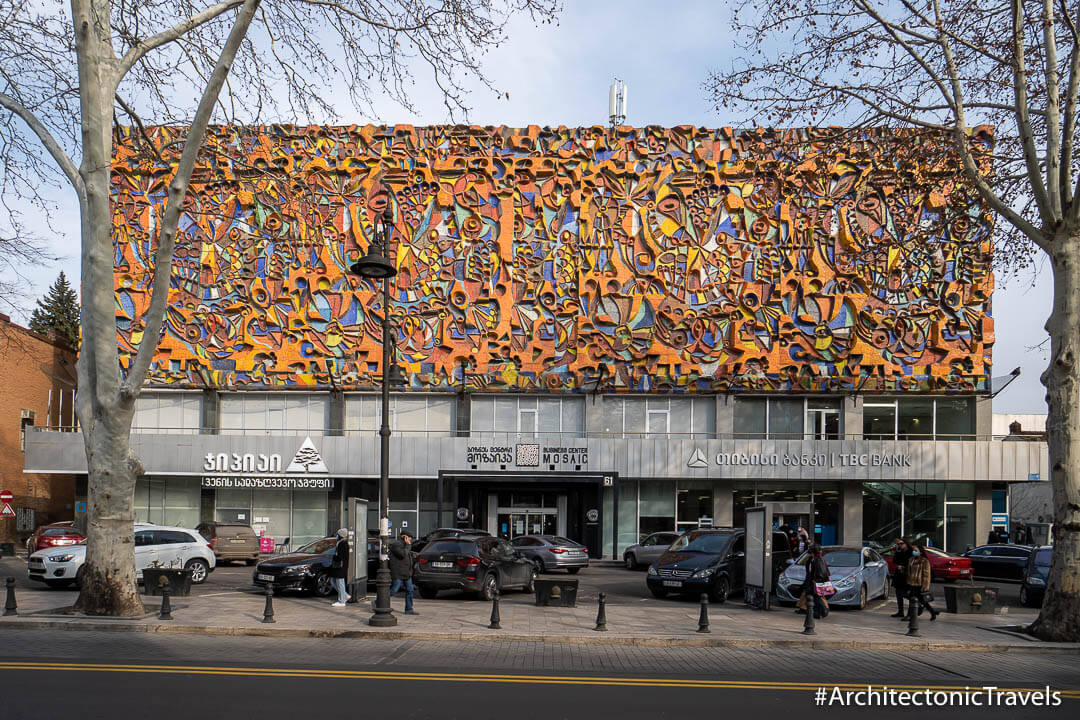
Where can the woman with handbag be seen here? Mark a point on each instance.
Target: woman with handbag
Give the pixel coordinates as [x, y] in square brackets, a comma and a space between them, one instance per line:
[339, 567]
[817, 585]
[918, 580]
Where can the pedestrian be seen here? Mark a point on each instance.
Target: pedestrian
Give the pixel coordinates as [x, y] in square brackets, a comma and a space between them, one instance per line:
[901, 555]
[401, 568]
[817, 585]
[804, 540]
[918, 579]
[339, 567]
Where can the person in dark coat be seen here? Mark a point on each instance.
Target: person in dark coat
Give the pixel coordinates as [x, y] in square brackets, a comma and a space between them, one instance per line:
[401, 568]
[900, 558]
[339, 567]
[919, 577]
[816, 572]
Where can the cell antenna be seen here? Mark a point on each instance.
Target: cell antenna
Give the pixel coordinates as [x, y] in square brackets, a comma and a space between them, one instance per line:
[617, 103]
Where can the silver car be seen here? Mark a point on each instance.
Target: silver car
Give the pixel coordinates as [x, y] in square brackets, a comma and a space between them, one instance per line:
[649, 550]
[551, 552]
[858, 574]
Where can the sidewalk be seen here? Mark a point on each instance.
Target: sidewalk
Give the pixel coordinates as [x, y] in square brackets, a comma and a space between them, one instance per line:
[645, 622]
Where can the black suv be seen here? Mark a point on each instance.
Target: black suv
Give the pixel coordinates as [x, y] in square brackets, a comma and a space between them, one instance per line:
[478, 565]
[443, 533]
[701, 561]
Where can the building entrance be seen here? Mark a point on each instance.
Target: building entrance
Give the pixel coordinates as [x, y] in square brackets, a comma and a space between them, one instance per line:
[515, 522]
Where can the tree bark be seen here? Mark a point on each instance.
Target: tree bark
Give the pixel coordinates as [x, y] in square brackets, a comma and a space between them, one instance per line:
[1059, 619]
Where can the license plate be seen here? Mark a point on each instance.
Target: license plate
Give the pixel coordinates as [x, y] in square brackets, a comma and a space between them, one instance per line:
[442, 564]
[238, 541]
[672, 583]
[267, 578]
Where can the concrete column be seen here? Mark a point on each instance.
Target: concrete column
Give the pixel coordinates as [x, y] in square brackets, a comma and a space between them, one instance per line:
[984, 507]
[852, 418]
[723, 503]
[725, 416]
[851, 520]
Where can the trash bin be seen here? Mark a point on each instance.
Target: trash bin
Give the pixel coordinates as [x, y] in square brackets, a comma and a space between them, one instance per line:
[559, 593]
[977, 599]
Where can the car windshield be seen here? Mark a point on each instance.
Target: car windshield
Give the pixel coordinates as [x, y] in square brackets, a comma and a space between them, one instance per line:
[701, 542]
[319, 546]
[464, 547]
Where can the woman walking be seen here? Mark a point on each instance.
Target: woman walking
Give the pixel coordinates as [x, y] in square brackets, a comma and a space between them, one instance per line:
[339, 567]
[918, 580]
[817, 585]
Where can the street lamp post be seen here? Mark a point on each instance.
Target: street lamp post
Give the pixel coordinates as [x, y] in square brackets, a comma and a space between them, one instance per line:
[377, 266]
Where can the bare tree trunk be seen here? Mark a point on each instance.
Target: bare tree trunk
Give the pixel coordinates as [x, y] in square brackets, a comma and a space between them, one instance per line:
[1060, 616]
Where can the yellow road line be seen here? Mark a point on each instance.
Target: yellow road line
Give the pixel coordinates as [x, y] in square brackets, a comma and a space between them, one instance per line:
[486, 678]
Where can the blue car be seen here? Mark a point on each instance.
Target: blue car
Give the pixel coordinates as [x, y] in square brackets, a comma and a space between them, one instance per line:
[858, 574]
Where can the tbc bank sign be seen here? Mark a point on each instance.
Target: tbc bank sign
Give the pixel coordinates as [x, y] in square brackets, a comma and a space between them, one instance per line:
[828, 460]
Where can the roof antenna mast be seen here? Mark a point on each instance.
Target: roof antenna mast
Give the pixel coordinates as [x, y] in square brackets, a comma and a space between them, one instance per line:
[617, 103]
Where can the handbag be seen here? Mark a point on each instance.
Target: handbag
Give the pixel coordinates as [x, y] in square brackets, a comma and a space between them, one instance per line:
[825, 589]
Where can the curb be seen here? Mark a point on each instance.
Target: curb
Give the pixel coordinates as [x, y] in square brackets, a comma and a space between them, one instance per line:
[598, 639]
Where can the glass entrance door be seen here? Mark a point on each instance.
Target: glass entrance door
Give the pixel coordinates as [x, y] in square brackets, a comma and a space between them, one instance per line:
[515, 522]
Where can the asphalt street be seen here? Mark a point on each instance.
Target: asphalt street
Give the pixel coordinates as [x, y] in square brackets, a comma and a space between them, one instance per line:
[46, 674]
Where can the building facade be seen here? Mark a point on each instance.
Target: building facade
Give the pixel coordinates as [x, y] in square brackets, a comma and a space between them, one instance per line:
[604, 333]
[37, 390]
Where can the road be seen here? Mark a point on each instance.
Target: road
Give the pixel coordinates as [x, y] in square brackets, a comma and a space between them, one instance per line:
[46, 674]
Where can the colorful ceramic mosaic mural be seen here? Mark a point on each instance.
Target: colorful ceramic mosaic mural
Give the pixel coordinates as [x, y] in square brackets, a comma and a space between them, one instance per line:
[562, 260]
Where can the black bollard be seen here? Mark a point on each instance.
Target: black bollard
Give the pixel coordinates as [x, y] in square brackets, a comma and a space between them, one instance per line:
[495, 612]
[808, 623]
[10, 608]
[268, 610]
[703, 619]
[601, 615]
[913, 615]
[166, 603]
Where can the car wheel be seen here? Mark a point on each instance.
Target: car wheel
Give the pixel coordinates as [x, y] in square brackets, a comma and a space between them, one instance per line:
[530, 586]
[658, 593]
[572, 571]
[489, 588]
[720, 590]
[630, 561]
[427, 592]
[888, 589]
[58, 584]
[324, 584]
[1025, 598]
[199, 570]
[79, 578]
[862, 597]
[539, 565]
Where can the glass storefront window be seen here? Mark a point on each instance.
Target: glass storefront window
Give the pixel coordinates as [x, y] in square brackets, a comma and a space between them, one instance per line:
[826, 513]
[785, 419]
[879, 421]
[784, 492]
[183, 498]
[628, 513]
[656, 508]
[309, 517]
[741, 498]
[915, 419]
[955, 419]
[749, 417]
[403, 494]
[924, 513]
[271, 513]
[691, 504]
[882, 513]
[959, 526]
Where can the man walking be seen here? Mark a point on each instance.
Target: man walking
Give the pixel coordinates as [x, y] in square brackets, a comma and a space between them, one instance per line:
[900, 558]
[401, 569]
[339, 567]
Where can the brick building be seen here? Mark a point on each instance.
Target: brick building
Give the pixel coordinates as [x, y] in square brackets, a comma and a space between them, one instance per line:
[37, 389]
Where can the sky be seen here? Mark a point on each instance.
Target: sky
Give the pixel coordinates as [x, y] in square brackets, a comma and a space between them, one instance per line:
[559, 75]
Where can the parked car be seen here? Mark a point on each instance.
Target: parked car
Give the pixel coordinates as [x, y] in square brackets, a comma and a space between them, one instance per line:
[648, 550]
[306, 569]
[944, 567]
[477, 565]
[858, 574]
[552, 552]
[231, 541]
[54, 535]
[1000, 561]
[442, 533]
[1033, 586]
[166, 546]
[700, 561]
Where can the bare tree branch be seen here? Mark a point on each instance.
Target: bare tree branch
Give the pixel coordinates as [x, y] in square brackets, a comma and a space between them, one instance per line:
[47, 140]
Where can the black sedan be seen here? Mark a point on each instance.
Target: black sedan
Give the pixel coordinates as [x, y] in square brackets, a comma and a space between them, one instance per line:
[478, 565]
[700, 561]
[999, 562]
[308, 568]
[445, 533]
[1033, 588]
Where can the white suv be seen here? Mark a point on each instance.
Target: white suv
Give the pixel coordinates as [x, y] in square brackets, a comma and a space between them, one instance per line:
[170, 547]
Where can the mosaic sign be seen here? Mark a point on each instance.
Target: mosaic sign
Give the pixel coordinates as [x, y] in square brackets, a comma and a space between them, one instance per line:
[560, 260]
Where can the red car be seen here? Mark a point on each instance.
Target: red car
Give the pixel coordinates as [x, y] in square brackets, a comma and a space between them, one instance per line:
[47, 536]
[943, 566]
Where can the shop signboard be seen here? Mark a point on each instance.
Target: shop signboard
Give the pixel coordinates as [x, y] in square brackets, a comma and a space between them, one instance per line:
[263, 471]
[528, 455]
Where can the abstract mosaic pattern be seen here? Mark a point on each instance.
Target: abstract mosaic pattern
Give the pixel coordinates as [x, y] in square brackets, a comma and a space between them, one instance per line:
[561, 260]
